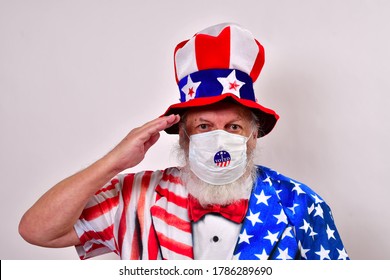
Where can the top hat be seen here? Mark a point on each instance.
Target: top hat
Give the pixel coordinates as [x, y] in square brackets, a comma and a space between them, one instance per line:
[220, 63]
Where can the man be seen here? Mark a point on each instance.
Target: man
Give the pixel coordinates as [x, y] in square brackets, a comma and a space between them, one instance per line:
[219, 205]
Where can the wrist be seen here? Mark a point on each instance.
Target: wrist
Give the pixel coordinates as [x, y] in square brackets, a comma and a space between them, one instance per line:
[111, 164]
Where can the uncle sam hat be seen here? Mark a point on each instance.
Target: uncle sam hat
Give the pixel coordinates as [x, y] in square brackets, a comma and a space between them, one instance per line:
[220, 63]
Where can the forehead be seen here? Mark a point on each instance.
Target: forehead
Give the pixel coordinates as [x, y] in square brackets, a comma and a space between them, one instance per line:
[220, 111]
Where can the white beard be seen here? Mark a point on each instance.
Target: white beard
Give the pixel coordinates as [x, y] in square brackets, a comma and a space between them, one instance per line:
[207, 193]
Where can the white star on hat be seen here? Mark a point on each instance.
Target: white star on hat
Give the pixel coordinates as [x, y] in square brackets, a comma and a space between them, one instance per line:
[190, 88]
[231, 84]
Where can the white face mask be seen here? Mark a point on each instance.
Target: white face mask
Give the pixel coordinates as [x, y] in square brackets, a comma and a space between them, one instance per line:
[218, 157]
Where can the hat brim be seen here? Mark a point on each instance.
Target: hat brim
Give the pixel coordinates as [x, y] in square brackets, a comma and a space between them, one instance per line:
[266, 116]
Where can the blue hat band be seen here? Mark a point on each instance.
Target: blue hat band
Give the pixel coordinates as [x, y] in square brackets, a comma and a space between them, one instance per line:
[215, 82]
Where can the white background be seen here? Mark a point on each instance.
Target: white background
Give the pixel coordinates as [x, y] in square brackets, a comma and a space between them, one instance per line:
[76, 76]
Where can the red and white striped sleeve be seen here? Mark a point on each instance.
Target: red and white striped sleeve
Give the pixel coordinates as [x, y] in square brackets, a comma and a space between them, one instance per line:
[95, 226]
[110, 222]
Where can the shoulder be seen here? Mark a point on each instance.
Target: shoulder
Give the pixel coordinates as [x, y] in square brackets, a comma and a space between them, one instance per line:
[290, 191]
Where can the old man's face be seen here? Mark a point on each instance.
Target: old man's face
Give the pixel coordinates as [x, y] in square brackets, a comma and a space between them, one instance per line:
[229, 117]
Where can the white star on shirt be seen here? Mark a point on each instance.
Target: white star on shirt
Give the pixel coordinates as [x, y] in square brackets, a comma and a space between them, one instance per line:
[310, 209]
[190, 88]
[302, 250]
[244, 237]
[262, 256]
[342, 254]
[287, 233]
[297, 187]
[330, 232]
[319, 211]
[293, 208]
[283, 254]
[305, 226]
[317, 199]
[324, 254]
[282, 218]
[272, 237]
[312, 233]
[237, 256]
[277, 193]
[262, 198]
[254, 217]
[268, 180]
[231, 84]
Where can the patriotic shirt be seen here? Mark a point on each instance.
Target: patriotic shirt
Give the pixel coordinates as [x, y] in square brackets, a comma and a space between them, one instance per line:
[145, 216]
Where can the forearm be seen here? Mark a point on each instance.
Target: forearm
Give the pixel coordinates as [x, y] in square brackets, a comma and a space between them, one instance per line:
[54, 214]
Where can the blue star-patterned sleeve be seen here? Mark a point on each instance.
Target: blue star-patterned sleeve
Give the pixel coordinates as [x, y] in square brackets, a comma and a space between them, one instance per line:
[313, 224]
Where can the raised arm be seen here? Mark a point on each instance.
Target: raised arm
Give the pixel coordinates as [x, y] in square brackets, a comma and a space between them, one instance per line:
[49, 222]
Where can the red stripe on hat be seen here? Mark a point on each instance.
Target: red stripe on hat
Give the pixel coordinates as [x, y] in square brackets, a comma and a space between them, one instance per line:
[179, 46]
[259, 62]
[213, 52]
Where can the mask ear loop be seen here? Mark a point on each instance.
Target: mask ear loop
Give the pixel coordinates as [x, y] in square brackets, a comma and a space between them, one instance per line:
[185, 130]
[250, 135]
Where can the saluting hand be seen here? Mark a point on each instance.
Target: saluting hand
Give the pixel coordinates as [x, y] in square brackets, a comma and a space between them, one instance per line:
[132, 149]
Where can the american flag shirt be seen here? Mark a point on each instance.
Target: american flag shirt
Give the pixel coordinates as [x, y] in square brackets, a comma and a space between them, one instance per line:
[145, 216]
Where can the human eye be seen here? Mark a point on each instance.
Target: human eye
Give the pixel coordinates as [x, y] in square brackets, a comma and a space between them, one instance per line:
[234, 127]
[203, 126]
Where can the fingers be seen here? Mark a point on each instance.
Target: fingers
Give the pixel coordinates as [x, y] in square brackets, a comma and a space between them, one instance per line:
[131, 150]
[166, 121]
[172, 119]
[155, 126]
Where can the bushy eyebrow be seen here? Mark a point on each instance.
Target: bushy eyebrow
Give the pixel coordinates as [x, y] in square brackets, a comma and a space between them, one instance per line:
[236, 119]
[202, 120]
